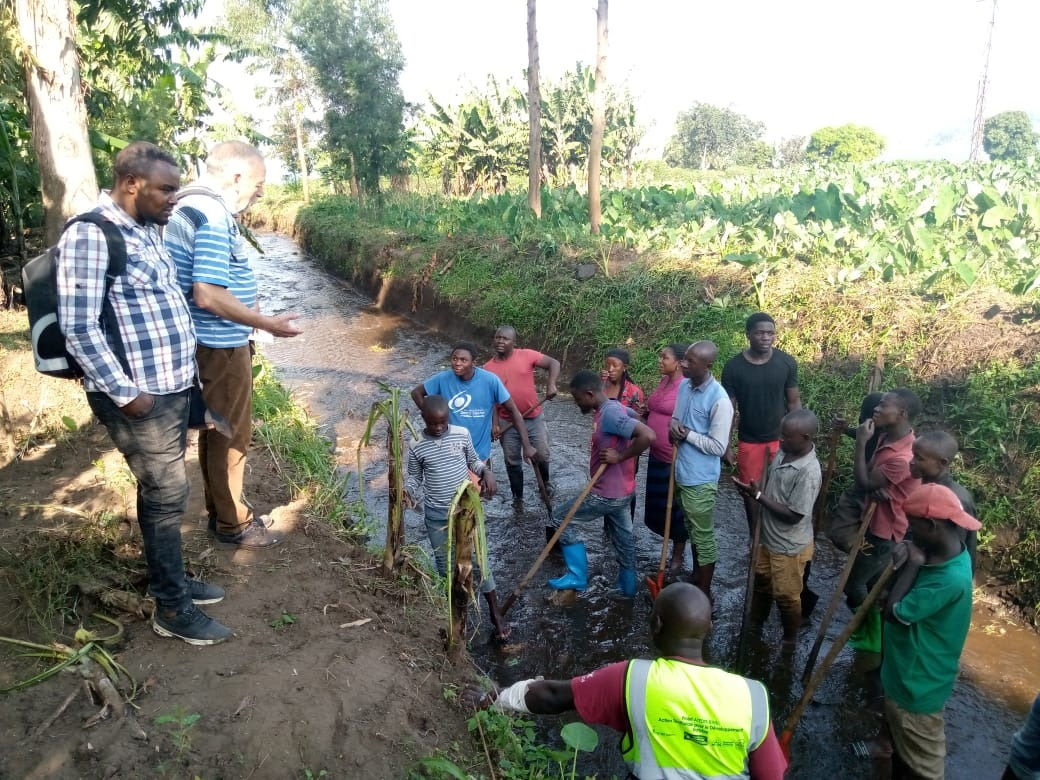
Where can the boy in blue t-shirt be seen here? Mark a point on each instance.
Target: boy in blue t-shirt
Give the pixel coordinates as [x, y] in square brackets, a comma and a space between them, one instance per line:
[472, 394]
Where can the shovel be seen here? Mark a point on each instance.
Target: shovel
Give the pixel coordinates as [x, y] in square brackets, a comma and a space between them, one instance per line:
[555, 537]
[858, 617]
[656, 585]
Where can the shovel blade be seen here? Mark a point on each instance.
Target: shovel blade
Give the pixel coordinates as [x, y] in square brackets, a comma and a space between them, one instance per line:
[785, 744]
[655, 586]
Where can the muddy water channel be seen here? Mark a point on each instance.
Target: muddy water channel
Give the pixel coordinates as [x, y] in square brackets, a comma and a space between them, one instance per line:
[349, 348]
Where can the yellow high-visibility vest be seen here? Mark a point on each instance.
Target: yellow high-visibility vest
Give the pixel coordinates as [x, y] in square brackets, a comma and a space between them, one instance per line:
[691, 722]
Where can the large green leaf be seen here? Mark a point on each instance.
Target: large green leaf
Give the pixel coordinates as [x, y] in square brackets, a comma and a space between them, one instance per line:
[998, 215]
[966, 271]
[580, 737]
[945, 203]
[827, 203]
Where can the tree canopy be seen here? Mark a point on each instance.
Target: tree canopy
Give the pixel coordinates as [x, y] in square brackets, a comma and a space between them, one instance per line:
[848, 143]
[135, 67]
[710, 136]
[1009, 136]
[352, 49]
[482, 143]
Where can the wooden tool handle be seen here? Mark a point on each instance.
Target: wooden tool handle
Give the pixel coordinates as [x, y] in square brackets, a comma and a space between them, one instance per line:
[555, 538]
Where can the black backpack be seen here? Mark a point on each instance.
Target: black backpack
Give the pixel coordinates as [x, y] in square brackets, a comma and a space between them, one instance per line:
[40, 284]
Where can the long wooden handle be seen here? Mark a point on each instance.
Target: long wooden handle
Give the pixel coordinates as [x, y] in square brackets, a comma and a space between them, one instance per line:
[555, 537]
[756, 536]
[523, 414]
[543, 490]
[668, 511]
[839, 590]
[828, 474]
[857, 618]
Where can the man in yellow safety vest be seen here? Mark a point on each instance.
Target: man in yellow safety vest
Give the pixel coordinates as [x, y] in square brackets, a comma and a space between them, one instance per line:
[681, 719]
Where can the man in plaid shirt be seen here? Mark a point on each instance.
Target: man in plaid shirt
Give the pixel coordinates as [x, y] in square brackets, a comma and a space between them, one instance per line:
[141, 392]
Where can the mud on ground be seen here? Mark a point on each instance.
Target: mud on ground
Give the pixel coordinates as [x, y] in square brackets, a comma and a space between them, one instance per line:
[287, 702]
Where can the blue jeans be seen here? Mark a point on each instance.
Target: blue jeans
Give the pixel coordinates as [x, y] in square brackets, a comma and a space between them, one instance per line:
[154, 446]
[437, 529]
[619, 523]
[1025, 746]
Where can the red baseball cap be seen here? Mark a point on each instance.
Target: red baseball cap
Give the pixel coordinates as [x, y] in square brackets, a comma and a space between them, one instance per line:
[939, 503]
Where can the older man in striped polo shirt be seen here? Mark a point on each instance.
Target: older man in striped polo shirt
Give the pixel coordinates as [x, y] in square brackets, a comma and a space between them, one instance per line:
[213, 269]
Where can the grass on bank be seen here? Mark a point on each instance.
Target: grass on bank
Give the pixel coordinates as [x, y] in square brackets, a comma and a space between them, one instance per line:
[968, 354]
[303, 454]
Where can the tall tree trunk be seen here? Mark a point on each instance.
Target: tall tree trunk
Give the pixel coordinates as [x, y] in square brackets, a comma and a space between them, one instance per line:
[301, 155]
[599, 118]
[59, 116]
[534, 102]
[355, 188]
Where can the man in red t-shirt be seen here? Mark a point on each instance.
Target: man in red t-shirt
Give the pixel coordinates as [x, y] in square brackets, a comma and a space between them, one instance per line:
[887, 481]
[515, 367]
[710, 715]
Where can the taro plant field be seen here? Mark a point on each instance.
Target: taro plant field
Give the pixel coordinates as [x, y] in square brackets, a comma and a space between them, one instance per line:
[936, 220]
[927, 272]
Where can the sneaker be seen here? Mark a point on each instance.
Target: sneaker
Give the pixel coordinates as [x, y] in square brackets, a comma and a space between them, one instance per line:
[211, 523]
[201, 592]
[254, 535]
[192, 625]
[204, 593]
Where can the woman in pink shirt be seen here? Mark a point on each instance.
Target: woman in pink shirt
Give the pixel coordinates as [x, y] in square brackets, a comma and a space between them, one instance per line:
[660, 406]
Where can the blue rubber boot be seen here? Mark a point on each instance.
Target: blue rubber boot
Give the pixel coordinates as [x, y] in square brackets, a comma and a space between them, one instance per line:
[626, 582]
[577, 576]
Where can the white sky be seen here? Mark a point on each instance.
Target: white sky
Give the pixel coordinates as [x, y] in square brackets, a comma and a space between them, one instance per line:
[907, 68]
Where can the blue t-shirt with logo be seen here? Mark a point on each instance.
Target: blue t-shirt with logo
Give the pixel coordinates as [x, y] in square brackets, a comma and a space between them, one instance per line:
[471, 402]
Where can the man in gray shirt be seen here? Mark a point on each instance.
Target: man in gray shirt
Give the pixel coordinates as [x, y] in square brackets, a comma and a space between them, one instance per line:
[792, 484]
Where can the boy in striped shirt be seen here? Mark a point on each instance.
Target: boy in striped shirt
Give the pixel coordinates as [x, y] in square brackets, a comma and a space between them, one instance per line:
[438, 462]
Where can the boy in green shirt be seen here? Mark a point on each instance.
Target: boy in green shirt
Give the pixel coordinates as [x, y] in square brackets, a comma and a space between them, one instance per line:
[928, 614]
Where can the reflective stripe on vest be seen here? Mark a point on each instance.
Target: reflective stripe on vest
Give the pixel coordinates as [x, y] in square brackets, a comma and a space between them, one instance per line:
[710, 749]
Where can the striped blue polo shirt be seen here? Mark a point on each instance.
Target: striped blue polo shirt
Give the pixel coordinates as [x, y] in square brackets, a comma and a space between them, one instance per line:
[204, 241]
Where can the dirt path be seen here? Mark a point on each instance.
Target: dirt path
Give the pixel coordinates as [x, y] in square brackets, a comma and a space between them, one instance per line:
[289, 702]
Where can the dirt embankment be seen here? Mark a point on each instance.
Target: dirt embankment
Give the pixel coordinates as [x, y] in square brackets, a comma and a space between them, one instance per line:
[333, 671]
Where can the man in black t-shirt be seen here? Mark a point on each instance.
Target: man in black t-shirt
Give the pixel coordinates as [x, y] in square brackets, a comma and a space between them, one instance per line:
[762, 382]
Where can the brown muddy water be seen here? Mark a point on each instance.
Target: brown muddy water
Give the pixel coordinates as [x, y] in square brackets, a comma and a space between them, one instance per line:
[335, 369]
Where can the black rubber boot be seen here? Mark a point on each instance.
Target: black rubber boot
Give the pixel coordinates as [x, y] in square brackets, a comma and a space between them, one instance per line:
[543, 467]
[761, 606]
[516, 481]
[791, 618]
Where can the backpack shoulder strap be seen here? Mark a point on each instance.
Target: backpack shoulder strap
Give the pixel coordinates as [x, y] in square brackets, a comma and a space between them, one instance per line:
[116, 245]
[114, 241]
